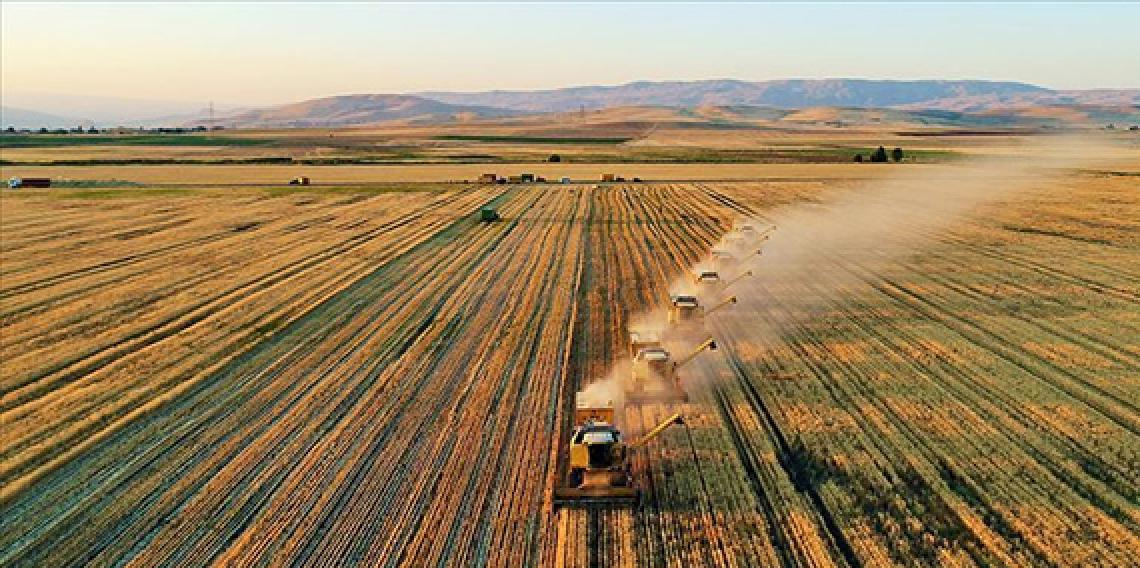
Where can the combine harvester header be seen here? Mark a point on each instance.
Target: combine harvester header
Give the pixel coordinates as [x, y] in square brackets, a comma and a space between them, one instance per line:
[599, 468]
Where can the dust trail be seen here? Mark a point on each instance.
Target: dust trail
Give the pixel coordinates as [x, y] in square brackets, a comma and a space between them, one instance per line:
[811, 257]
[879, 223]
[608, 390]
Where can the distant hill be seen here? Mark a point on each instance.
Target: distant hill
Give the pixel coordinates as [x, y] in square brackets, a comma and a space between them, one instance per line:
[349, 110]
[106, 112]
[1019, 116]
[791, 94]
[995, 102]
[24, 118]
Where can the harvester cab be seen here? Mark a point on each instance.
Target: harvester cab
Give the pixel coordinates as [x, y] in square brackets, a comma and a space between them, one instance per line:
[735, 241]
[747, 236]
[652, 366]
[723, 256]
[598, 465]
[748, 233]
[655, 379]
[687, 313]
[649, 362]
[707, 279]
[684, 308]
[639, 340]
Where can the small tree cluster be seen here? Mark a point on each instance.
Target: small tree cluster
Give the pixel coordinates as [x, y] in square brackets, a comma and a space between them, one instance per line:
[879, 156]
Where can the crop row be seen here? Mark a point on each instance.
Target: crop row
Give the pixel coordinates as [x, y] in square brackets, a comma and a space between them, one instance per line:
[382, 380]
[969, 402]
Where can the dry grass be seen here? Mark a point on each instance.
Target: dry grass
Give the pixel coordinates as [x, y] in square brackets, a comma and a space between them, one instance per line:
[249, 376]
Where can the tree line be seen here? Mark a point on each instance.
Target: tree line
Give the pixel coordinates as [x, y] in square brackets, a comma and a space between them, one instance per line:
[880, 156]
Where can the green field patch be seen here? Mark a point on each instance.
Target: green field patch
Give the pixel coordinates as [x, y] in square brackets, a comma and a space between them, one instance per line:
[59, 140]
[819, 155]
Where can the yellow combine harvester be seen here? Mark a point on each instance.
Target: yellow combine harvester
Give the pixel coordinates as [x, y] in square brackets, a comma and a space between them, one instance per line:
[743, 241]
[735, 241]
[599, 468]
[653, 366]
[723, 258]
[749, 231]
[707, 279]
[685, 310]
[639, 340]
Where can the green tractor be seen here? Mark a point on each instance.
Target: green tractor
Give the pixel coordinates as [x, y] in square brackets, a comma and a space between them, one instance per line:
[489, 215]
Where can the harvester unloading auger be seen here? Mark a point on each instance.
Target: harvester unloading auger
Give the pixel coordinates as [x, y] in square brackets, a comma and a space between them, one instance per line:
[654, 377]
[739, 277]
[599, 464]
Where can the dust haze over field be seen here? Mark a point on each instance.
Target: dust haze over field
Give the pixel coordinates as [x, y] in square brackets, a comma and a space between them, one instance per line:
[937, 324]
[854, 230]
[858, 230]
[364, 316]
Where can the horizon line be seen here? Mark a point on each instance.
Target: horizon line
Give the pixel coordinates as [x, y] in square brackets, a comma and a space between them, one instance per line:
[5, 92]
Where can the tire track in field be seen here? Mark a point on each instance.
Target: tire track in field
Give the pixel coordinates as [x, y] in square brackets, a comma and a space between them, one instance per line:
[51, 378]
[159, 255]
[314, 318]
[9, 415]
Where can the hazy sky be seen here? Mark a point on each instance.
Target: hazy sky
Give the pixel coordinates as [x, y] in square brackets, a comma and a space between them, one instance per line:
[255, 53]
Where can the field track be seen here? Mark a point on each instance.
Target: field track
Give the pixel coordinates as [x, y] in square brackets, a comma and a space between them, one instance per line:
[378, 379]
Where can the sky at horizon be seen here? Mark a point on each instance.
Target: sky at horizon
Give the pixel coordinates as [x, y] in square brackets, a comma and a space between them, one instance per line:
[266, 53]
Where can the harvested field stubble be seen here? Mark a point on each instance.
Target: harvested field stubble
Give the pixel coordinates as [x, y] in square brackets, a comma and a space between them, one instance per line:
[340, 379]
[881, 405]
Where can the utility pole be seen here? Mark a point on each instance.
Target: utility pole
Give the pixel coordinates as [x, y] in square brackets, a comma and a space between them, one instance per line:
[211, 114]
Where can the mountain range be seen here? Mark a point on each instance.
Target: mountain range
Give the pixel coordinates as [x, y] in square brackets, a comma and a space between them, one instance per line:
[24, 118]
[361, 109]
[959, 96]
[437, 106]
[795, 93]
